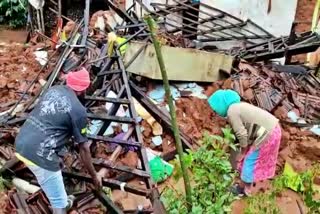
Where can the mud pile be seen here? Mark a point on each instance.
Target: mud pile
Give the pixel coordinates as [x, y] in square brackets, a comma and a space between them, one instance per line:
[18, 68]
[300, 148]
[195, 117]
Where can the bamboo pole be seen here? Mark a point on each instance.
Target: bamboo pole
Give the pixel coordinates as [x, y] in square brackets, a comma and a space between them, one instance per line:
[152, 28]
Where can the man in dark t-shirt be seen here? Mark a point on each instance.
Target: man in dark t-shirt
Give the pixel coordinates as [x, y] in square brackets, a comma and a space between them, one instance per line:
[57, 117]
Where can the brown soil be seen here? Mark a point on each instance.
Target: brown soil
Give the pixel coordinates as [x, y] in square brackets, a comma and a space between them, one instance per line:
[130, 159]
[12, 36]
[168, 143]
[167, 139]
[101, 150]
[5, 207]
[18, 68]
[288, 202]
[129, 201]
[195, 116]
[299, 148]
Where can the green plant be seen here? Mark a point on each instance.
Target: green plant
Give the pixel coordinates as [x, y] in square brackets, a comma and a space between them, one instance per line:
[229, 138]
[4, 184]
[303, 183]
[13, 12]
[254, 205]
[211, 175]
[308, 189]
[305, 187]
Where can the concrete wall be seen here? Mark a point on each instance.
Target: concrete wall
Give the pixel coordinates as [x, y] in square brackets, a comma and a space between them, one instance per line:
[278, 22]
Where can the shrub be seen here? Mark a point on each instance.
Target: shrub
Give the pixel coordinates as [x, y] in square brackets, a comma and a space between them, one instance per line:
[212, 177]
[13, 12]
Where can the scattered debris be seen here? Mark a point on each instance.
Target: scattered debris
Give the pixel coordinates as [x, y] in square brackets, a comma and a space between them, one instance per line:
[145, 115]
[160, 169]
[131, 135]
[195, 116]
[278, 91]
[41, 57]
[25, 186]
[157, 140]
[282, 46]
[18, 68]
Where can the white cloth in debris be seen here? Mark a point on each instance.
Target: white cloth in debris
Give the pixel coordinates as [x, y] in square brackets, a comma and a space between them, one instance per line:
[41, 57]
[37, 4]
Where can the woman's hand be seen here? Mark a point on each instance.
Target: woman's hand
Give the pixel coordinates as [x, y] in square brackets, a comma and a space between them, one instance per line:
[241, 155]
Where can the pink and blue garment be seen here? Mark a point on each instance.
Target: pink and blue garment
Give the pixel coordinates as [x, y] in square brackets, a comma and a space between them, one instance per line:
[260, 164]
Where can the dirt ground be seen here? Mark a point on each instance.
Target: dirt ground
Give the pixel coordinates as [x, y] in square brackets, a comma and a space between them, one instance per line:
[12, 36]
[288, 202]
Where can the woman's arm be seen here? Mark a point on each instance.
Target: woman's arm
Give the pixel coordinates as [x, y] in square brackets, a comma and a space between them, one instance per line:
[238, 126]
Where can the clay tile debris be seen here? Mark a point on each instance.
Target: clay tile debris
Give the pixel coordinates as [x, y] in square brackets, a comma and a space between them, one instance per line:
[117, 146]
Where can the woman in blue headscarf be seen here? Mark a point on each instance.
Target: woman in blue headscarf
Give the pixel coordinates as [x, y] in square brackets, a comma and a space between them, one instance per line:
[258, 133]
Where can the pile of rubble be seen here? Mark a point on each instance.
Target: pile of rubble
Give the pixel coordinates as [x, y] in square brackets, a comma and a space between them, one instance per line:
[195, 116]
[18, 68]
[278, 89]
[292, 94]
[118, 151]
[128, 127]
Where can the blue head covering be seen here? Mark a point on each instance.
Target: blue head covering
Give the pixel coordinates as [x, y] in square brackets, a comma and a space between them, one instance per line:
[222, 99]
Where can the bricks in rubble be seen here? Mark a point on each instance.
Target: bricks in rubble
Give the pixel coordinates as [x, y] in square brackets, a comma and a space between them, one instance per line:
[289, 90]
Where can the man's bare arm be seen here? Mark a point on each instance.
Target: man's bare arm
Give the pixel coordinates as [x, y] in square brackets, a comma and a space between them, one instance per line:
[85, 156]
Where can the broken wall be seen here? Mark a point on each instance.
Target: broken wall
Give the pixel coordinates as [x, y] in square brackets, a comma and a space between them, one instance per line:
[304, 15]
[277, 21]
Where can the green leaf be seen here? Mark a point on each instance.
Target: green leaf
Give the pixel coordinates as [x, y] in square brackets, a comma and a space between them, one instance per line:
[217, 137]
[227, 177]
[8, 13]
[4, 5]
[211, 176]
[233, 147]
[13, 12]
[188, 159]
[16, 8]
[197, 210]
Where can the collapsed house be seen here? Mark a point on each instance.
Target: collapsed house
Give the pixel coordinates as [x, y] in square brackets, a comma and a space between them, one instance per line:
[117, 103]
